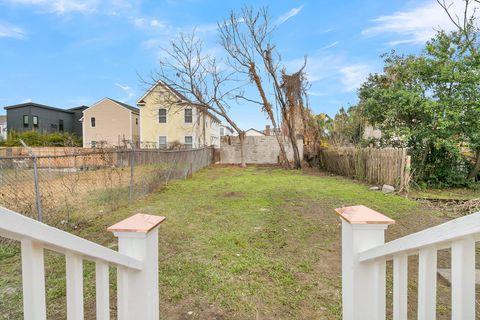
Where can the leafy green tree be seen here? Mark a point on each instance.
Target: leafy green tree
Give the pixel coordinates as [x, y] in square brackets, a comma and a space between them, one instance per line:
[430, 103]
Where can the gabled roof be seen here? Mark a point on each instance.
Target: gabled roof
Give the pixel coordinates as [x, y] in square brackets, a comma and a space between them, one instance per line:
[252, 129]
[121, 104]
[79, 108]
[136, 110]
[178, 94]
[37, 105]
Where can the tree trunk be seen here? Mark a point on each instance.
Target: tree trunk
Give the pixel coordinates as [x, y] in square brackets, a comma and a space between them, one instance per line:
[297, 160]
[241, 136]
[474, 172]
[283, 152]
[267, 107]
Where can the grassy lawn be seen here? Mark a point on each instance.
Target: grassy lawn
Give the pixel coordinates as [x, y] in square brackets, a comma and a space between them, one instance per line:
[255, 243]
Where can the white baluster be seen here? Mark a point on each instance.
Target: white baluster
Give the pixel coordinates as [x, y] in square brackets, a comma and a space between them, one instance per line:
[463, 279]
[400, 287]
[33, 281]
[74, 268]
[427, 284]
[379, 268]
[102, 291]
[122, 293]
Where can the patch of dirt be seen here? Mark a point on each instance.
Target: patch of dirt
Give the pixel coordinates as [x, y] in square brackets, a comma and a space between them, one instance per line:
[189, 309]
[233, 194]
[314, 171]
[456, 207]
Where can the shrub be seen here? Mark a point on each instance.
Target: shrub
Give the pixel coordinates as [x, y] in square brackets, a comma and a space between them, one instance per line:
[39, 139]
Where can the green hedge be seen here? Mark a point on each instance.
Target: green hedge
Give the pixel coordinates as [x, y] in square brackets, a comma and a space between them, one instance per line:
[37, 139]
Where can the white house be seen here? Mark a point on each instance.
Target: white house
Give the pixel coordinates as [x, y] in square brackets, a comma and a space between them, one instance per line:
[3, 127]
[225, 130]
[254, 133]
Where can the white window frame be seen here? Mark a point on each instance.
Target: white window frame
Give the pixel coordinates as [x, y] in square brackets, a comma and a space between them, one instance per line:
[166, 142]
[35, 119]
[166, 115]
[185, 115]
[185, 141]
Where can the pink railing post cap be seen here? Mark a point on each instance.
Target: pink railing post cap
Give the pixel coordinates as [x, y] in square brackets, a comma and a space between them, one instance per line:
[363, 215]
[137, 223]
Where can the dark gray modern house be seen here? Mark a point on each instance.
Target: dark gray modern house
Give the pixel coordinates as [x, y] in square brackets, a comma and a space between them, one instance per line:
[37, 117]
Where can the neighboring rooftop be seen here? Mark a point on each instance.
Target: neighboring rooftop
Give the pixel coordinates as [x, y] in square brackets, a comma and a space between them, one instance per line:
[136, 110]
[78, 108]
[258, 131]
[33, 104]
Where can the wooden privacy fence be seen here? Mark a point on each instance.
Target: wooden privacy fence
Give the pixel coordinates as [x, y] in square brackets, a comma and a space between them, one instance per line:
[376, 166]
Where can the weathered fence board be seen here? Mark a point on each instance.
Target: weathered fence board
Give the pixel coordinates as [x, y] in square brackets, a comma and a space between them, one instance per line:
[377, 166]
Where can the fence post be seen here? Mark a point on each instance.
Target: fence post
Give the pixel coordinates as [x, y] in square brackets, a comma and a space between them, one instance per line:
[138, 296]
[132, 165]
[35, 180]
[363, 283]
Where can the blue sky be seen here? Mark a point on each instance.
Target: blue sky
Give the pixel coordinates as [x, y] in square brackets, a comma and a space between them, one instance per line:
[66, 53]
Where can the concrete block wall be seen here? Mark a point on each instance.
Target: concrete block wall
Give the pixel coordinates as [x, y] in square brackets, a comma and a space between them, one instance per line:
[258, 149]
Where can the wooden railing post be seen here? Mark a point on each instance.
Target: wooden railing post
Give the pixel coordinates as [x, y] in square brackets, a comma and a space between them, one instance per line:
[137, 291]
[363, 283]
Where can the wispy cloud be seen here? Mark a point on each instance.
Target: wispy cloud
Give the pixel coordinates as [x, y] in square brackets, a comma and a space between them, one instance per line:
[331, 45]
[354, 75]
[416, 25]
[10, 31]
[61, 6]
[290, 14]
[127, 90]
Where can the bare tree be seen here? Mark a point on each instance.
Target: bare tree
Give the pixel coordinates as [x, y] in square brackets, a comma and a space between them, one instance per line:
[189, 70]
[246, 37]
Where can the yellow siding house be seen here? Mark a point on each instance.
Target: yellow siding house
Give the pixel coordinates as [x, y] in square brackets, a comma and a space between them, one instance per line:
[168, 118]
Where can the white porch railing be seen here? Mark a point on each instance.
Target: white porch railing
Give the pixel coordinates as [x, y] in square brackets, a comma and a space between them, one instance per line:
[136, 263]
[364, 256]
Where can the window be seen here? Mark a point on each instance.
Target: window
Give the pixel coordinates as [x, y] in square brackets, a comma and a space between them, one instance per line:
[162, 115]
[136, 121]
[35, 122]
[162, 142]
[93, 144]
[92, 122]
[188, 115]
[222, 131]
[60, 125]
[25, 121]
[188, 141]
[161, 94]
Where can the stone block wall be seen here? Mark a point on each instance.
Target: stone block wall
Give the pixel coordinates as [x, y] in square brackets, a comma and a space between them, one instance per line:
[258, 149]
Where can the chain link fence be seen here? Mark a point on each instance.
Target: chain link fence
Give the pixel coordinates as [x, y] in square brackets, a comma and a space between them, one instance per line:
[81, 181]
